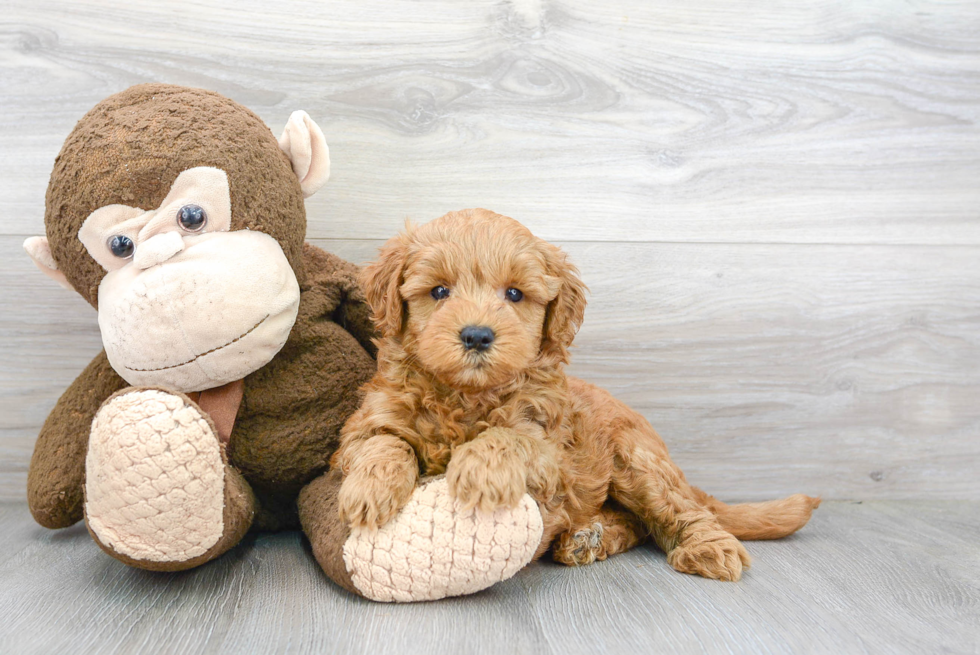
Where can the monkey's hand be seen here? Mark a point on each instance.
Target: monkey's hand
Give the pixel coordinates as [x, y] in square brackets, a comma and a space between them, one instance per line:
[337, 280]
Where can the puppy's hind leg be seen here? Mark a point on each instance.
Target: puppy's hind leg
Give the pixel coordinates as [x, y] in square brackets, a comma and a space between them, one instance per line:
[648, 483]
[613, 530]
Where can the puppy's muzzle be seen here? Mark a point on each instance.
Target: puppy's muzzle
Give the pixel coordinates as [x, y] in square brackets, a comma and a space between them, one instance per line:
[476, 337]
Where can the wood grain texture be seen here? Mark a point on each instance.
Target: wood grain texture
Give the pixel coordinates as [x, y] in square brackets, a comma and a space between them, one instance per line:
[847, 372]
[879, 577]
[709, 121]
[774, 204]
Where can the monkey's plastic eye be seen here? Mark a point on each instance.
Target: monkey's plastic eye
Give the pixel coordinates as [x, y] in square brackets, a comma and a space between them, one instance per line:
[121, 246]
[514, 295]
[439, 292]
[192, 218]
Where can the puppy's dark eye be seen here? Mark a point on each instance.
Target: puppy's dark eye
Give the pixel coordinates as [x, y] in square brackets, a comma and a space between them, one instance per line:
[439, 292]
[191, 217]
[514, 295]
[121, 246]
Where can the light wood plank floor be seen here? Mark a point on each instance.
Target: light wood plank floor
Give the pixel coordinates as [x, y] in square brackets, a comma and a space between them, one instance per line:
[873, 577]
[774, 205]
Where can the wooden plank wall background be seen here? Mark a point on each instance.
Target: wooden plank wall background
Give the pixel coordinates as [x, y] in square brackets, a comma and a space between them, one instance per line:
[775, 204]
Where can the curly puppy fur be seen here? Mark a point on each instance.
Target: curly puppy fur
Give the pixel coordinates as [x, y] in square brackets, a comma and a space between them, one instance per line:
[504, 419]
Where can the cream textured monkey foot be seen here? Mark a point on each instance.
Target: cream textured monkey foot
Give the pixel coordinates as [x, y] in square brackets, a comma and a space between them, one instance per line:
[433, 548]
[154, 477]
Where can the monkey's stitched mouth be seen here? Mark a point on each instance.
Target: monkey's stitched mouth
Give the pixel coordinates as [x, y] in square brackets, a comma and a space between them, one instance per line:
[197, 357]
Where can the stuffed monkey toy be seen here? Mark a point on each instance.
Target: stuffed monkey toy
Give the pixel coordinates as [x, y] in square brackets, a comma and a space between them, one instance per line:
[233, 355]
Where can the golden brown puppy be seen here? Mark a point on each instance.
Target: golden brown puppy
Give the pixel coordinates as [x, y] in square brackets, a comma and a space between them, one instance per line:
[476, 316]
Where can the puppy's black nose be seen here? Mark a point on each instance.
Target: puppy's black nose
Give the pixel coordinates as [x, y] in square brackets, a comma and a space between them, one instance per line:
[477, 337]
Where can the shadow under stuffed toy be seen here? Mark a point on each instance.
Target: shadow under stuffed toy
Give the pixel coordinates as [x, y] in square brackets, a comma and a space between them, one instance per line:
[234, 352]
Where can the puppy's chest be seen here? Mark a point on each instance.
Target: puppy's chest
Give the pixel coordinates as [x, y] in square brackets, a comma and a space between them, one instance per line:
[450, 428]
[441, 430]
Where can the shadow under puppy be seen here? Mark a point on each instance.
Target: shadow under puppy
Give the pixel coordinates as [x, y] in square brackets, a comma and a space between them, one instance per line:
[476, 316]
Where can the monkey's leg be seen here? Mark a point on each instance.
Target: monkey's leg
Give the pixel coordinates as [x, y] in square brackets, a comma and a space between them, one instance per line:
[613, 530]
[431, 549]
[646, 482]
[56, 477]
[159, 493]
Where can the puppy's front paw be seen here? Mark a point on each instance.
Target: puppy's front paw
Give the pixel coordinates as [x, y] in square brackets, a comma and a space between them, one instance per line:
[487, 474]
[716, 555]
[369, 500]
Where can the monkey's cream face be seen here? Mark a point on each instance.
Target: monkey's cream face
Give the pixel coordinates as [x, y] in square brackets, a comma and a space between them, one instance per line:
[186, 303]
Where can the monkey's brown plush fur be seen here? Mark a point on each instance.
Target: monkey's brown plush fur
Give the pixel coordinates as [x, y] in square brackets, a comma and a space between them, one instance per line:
[504, 419]
[177, 214]
[130, 147]
[128, 150]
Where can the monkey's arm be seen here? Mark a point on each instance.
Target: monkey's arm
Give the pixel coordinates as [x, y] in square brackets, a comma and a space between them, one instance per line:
[354, 315]
[338, 279]
[57, 473]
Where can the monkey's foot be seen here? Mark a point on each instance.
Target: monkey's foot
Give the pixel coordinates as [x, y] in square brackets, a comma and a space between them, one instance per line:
[155, 483]
[431, 549]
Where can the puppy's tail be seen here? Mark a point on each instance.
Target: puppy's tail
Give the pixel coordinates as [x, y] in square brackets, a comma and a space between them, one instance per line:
[771, 519]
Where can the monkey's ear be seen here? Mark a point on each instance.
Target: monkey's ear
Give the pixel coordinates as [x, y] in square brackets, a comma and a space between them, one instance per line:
[40, 253]
[304, 144]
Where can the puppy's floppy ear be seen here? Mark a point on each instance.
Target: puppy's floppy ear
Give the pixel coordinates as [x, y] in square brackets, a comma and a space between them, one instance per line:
[381, 280]
[565, 312]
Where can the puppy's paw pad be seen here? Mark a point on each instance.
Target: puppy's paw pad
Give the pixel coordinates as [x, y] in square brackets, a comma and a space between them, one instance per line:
[718, 558]
[581, 547]
[154, 478]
